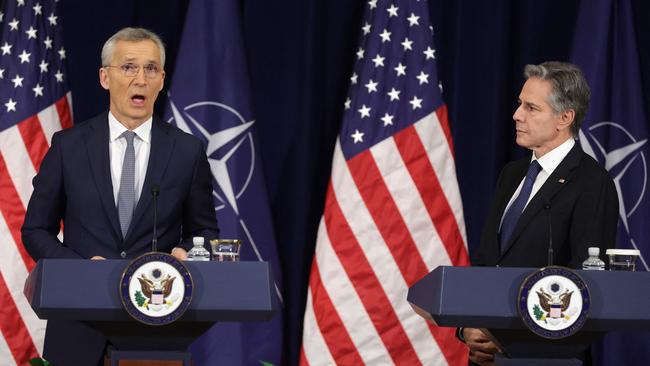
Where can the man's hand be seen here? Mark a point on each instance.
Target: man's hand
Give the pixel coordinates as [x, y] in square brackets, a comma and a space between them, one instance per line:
[179, 253]
[481, 348]
[97, 258]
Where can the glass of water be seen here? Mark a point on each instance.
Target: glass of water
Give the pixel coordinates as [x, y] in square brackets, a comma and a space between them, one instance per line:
[622, 259]
[225, 250]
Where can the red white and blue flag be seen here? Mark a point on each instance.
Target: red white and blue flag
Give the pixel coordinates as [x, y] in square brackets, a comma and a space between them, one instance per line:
[393, 210]
[34, 104]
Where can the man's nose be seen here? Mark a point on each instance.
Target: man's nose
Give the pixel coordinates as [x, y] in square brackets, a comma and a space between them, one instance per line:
[517, 115]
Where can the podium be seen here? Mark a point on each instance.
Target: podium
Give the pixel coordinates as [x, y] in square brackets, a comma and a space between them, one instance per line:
[486, 297]
[88, 291]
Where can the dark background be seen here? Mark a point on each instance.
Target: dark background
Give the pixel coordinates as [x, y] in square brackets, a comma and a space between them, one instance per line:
[300, 53]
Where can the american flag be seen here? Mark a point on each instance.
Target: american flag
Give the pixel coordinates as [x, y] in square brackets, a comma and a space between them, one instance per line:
[393, 210]
[34, 104]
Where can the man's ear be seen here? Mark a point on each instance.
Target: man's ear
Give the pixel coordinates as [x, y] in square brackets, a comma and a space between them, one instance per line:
[566, 119]
[103, 78]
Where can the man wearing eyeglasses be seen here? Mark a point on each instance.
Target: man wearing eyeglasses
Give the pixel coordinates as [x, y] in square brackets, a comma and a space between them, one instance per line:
[98, 178]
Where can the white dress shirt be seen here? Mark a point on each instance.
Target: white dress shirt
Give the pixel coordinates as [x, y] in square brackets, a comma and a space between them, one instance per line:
[117, 149]
[548, 162]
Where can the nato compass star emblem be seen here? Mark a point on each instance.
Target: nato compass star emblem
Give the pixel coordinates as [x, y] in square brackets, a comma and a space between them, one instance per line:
[222, 145]
[626, 163]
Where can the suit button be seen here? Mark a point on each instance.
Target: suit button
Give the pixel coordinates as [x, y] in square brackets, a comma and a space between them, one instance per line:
[123, 254]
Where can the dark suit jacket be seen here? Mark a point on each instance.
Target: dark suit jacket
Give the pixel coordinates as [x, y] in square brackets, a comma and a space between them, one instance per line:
[579, 199]
[74, 185]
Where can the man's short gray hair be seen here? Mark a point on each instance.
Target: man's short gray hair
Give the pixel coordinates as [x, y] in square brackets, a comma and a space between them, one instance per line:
[569, 88]
[131, 35]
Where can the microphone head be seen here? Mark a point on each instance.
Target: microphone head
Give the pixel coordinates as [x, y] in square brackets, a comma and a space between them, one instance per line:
[155, 190]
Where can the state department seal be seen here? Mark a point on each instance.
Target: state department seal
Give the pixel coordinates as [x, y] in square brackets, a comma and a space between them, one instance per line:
[156, 288]
[554, 302]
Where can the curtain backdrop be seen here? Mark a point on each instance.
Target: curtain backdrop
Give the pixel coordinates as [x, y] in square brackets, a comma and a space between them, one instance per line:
[300, 53]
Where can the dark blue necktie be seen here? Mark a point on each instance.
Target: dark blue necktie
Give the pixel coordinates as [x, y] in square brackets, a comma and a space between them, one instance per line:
[126, 194]
[517, 207]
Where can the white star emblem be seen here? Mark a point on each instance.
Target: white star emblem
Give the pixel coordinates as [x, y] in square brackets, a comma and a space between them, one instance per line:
[24, 57]
[52, 18]
[366, 28]
[13, 24]
[18, 81]
[385, 36]
[6, 49]
[38, 90]
[388, 119]
[357, 136]
[401, 69]
[413, 20]
[423, 78]
[393, 94]
[11, 105]
[407, 44]
[429, 53]
[364, 111]
[416, 102]
[21, 2]
[347, 104]
[31, 33]
[431, 29]
[353, 78]
[360, 53]
[372, 4]
[372, 86]
[2, 16]
[43, 66]
[218, 166]
[378, 60]
[392, 11]
[62, 53]
[59, 76]
[2, 73]
[37, 9]
[440, 86]
[48, 42]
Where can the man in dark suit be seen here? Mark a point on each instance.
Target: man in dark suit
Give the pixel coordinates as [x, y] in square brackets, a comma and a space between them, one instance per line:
[98, 178]
[559, 186]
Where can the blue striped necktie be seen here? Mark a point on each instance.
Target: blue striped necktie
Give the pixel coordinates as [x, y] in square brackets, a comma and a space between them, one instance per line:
[511, 217]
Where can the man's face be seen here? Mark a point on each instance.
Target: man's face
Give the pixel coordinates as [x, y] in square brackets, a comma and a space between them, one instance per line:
[538, 127]
[132, 97]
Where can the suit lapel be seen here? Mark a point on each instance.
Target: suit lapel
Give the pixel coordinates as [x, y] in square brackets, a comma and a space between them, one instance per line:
[555, 182]
[162, 146]
[97, 146]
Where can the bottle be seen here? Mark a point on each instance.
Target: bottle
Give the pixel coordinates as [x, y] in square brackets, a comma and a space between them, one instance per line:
[198, 252]
[593, 262]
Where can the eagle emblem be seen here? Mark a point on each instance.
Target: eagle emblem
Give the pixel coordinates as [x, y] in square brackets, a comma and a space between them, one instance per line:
[554, 305]
[155, 289]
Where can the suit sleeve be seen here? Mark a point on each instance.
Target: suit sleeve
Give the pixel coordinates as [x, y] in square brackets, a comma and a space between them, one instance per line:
[46, 209]
[594, 222]
[199, 216]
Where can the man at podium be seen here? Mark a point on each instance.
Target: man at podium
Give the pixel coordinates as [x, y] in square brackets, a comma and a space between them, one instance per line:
[559, 189]
[99, 179]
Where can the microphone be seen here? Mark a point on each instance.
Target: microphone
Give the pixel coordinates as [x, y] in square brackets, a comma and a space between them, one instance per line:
[155, 191]
[547, 206]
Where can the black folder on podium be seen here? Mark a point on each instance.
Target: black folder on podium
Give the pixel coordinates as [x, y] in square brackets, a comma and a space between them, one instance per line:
[88, 291]
[486, 297]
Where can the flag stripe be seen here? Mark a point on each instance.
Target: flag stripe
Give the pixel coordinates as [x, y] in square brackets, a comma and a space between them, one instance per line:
[443, 118]
[63, 109]
[341, 348]
[50, 122]
[367, 285]
[427, 183]
[18, 164]
[34, 139]
[13, 212]
[13, 328]
[348, 305]
[303, 359]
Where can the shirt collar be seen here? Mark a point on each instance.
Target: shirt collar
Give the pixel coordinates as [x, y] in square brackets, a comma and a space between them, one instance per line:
[553, 158]
[116, 129]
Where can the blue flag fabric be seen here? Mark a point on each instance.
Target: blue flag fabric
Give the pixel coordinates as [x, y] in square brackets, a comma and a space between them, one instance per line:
[615, 133]
[210, 98]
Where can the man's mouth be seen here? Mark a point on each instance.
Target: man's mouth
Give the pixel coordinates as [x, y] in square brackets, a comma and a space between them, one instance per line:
[138, 99]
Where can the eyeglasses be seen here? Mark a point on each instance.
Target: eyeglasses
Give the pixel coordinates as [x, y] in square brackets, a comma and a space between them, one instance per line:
[131, 70]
